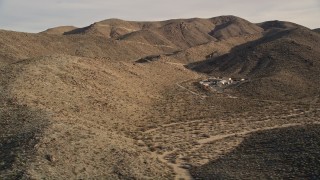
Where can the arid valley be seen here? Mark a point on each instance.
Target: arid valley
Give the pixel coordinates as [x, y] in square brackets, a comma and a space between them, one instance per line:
[123, 100]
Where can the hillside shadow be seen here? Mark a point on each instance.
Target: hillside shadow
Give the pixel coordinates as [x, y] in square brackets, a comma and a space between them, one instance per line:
[284, 153]
[220, 63]
[19, 128]
[77, 31]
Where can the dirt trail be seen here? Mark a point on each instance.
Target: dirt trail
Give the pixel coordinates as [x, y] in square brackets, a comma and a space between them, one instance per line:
[154, 45]
[202, 96]
[172, 124]
[201, 120]
[243, 133]
[180, 173]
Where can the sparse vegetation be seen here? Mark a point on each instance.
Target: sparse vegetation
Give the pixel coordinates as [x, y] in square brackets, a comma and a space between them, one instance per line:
[78, 103]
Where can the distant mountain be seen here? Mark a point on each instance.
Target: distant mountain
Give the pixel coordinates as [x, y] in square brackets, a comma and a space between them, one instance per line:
[230, 26]
[59, 30]
[107, 28]
[182, 33]
[278, 25]
[159, 37]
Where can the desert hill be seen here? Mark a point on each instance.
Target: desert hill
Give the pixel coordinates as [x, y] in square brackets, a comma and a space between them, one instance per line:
[317, 30]
[87, 97]
[122, 100]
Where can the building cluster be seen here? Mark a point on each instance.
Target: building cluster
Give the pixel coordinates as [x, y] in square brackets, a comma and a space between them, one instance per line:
[218, 82]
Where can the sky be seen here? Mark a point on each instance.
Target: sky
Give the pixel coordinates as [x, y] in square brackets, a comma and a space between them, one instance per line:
[39, 15]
